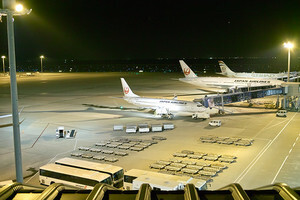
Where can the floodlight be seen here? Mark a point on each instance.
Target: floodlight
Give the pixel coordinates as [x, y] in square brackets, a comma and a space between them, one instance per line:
[288, 45]
[19, 7]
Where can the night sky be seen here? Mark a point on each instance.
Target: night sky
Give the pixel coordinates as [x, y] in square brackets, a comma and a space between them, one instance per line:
[108, 30]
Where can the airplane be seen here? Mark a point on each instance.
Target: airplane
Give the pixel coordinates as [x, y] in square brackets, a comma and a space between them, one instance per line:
[225, 70]
[165, 107]
[224, 84]
[6, 121]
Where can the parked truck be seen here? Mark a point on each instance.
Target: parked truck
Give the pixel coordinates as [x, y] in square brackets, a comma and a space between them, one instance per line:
[60, 132]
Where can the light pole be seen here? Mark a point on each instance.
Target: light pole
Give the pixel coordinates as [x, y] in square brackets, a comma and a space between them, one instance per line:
[3, 57]
[41, 57]
[10, 9]
[289, 46]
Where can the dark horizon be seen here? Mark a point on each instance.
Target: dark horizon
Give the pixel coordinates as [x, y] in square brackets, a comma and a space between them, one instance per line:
[210, 65]
[129, 30]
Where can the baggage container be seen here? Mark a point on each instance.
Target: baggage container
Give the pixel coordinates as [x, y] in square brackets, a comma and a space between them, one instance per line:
[156, 128]
[144, 128]
[131, 129]
[168, 126]
[118, 127]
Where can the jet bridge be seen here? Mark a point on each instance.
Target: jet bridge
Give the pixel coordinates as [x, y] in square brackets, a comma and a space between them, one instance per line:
[221, 99]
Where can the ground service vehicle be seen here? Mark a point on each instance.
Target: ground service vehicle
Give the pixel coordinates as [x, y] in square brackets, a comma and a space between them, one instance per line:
[60, 132]
[71, 134]
[116, 173]
[202, 115]
[281, 113]
[85, 179]
[215, 123]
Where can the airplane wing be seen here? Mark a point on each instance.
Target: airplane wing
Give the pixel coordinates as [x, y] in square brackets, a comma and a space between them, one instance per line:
[10, 115]
[115, 107]
[6, 123]
[5, 116]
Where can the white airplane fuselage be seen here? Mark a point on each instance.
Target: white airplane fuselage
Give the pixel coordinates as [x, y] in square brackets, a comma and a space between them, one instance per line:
[224, 82]
[226, 71]
[259, 75]
[165, 106]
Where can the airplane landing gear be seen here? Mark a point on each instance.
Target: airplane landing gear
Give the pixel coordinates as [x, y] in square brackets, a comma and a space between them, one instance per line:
[221, 112]
[170, 116]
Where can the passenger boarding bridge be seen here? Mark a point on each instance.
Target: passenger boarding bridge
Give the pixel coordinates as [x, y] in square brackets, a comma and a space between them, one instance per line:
[290, 92]
[222, 99]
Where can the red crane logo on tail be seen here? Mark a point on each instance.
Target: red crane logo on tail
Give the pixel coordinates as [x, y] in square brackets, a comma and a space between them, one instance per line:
[186, 71]
[126, 90]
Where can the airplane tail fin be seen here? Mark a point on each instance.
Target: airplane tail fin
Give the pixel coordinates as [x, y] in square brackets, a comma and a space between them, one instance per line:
[225, 69]
[126, 89]
[188, 73]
